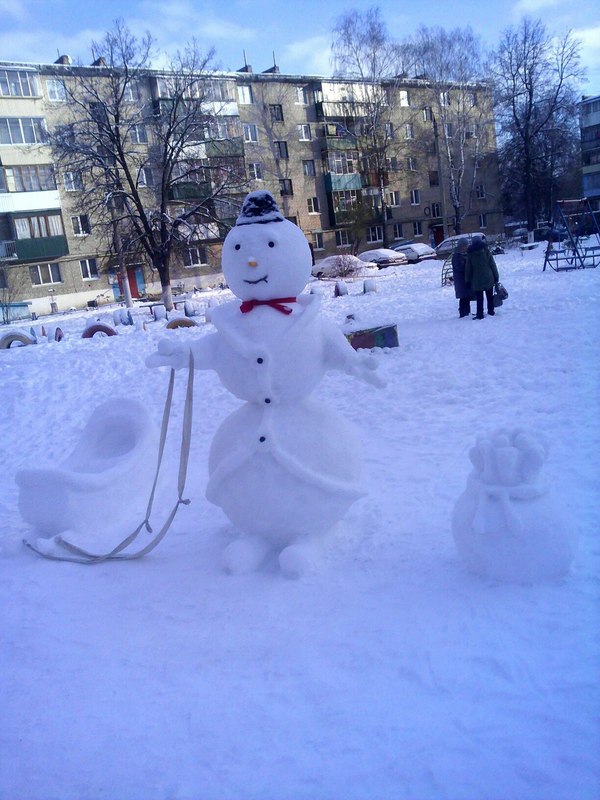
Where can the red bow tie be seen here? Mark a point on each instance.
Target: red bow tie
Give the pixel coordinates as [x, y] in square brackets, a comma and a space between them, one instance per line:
[276, 302]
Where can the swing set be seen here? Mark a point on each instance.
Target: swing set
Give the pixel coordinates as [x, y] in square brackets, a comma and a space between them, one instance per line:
[574, 237]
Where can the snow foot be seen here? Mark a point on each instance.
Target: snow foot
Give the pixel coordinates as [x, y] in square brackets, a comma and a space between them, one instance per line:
[244, 555]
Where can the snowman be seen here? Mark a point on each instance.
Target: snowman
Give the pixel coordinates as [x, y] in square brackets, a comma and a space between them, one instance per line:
[283, 467]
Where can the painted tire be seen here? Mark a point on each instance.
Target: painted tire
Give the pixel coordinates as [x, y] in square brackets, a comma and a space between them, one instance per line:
[10, 338]
[99, 327]
[181, 322]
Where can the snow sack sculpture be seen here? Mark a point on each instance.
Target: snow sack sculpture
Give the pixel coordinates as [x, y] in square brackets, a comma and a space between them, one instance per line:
[89, 491]
[282, 467]
[506, 524]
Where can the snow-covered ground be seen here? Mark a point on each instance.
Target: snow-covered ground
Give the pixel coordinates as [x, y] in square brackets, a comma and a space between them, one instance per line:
[390, 672]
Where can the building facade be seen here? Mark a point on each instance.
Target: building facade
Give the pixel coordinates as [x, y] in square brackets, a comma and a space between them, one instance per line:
[351, 184]
[589, 121]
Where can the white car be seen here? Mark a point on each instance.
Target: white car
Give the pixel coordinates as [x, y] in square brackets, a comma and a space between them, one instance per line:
[416, 251]
[339, 266]
[448, 246]
[383, 257]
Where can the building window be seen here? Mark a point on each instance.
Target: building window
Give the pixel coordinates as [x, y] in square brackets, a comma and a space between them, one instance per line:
[81, 225]
[393, 198]
[397, 230]
[449, 129]
[409, 131]
[38, 178]
[389, 130]
[480, 191]
[436, 210]
[317, 241]
[415, 197]
[22, 130]
[483, 220]
[417, 228]
[217, 131]
[308, 168]
[244, 95]
[473, 99]
[304, 134]
[42, 274]
[375, 233]
[411, 164]
[313, 205]
[72, 182]
[131, 92]
[434, 178]
[445, 99]
[403, 96]
[89, 269]
[250, 132]
[301, 95]
[281, 150]
[145, 177]
[39, 226]
[342, 162]
[344, 201]
[392, 164]
[56, 90]
[276, 112]
[285, 187]
[255, 171]
[194, 257]
[342, 239]
[427, 114]
[138, 134]
[18, 83]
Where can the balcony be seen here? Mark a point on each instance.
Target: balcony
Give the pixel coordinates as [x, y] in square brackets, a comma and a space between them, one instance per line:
[340, 183]
[219, 148]
[373, 179]
[48, 247]
[190, 190]
[338, 142]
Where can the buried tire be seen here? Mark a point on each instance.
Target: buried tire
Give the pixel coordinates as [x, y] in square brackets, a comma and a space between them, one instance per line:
[99, 327]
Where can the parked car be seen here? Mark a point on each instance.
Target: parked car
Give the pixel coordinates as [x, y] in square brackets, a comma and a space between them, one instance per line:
[383, 257]
[339, 266]
[447, 247]
[415, 251]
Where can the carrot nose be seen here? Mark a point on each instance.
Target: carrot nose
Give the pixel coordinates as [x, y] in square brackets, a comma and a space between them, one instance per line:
[252, 262]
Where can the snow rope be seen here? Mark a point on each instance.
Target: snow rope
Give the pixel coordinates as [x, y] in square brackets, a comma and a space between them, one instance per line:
[80, 556]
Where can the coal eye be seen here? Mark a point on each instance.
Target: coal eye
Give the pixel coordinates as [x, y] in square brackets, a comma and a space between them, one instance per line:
[237, 247]
[271, 244]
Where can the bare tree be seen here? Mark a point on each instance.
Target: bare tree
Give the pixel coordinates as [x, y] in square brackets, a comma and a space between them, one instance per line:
[12, 286]
[535, 76]
[363, 52]
[158, 155]
[449, 64]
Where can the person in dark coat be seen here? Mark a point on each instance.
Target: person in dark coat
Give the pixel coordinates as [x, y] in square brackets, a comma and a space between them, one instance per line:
[462, 289]
[482, 273]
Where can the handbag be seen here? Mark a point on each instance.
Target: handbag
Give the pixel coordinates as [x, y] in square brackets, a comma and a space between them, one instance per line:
[500, 294]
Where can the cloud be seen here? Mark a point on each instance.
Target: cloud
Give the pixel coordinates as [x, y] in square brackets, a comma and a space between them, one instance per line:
[527, 8]
[590, 55]
[308, 56]
[14, 9]
[44, 46]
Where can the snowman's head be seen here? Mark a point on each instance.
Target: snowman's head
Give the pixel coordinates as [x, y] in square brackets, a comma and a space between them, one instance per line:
[265, 256]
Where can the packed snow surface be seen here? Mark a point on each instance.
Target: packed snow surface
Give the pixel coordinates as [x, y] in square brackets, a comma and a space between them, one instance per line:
[390, 671]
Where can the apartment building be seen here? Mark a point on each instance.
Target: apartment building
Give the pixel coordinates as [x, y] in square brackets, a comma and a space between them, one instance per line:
[589, 122]
[304, 138]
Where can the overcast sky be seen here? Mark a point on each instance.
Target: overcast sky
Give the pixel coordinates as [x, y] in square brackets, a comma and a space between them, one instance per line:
[298, 31]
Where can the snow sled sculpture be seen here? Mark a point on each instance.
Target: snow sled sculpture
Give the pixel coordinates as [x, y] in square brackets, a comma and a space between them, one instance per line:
[506, 524]
[282, 467]
[89, 490]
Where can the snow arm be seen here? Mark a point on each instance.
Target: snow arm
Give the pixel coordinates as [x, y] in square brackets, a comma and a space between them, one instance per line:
[174, 354]
[340, 355]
